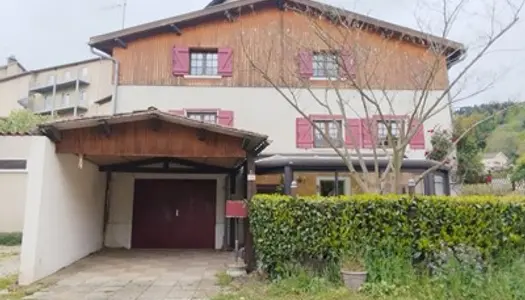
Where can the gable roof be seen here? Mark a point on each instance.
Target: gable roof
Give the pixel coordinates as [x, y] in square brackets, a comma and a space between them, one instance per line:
[255, 141]
[493, 155]
[107, 42]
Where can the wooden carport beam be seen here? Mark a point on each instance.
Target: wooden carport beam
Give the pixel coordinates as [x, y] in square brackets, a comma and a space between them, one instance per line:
[53, 134]
[138, 166]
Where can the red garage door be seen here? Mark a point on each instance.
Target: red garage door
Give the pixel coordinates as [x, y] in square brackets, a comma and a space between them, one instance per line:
[174, 214]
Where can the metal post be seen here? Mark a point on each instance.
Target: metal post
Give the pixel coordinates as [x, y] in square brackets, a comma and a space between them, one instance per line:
[54, 96]
[77, 91]
[293, 188]
[336, 184]
[251, 190]
[288, 178]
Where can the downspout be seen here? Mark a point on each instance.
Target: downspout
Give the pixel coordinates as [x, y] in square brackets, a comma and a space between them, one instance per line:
[116, 66]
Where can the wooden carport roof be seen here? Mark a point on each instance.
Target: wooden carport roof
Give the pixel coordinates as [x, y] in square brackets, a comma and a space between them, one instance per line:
[135, 139]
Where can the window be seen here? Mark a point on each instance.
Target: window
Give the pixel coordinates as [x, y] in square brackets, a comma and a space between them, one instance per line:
[83, 97]
[204, 63]
[326, 186]
[65, 99]
[12, 164]
[382, 131]
[333, 129]
[84, 72]
[48, 102]
[51, 79]
[67, 76]
[325, 65]
[207, 117]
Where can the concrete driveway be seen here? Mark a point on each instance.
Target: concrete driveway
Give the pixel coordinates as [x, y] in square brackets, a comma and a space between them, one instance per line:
[140, 274]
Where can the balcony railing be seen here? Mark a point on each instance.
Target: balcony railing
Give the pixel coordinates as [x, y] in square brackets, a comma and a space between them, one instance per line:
[43, 106]
[59, 84]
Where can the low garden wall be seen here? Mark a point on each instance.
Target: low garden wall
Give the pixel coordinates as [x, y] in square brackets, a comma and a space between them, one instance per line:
[288, 230]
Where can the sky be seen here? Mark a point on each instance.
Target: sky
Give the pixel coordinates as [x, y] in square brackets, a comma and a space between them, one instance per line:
[42, 33]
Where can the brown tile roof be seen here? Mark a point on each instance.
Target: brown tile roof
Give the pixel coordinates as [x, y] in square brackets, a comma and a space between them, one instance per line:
[107, 42]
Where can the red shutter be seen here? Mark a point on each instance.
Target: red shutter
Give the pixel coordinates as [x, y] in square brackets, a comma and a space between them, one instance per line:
[225, 57]
[178, 112]
[304, 134]
[181, 61]
[225, 118]
[306, 61]
[353, 135]
[367, 129]
[418, 140]
[347, 67]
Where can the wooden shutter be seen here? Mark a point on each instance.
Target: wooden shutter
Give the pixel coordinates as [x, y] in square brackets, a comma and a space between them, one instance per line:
[178, 112]
[353, 135]
[181, 61]
[225, 60]
[418, 140]
[368, 130]
[225, 118]
[304, 134]
[306, 61]
[347, 67]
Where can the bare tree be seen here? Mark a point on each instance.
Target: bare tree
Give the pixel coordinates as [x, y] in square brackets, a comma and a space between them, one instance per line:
[353, 54]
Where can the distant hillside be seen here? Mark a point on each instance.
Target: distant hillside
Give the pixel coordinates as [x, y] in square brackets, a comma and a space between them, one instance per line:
[506, 132]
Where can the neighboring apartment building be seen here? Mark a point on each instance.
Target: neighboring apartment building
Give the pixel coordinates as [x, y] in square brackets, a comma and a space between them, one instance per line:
[74, 89]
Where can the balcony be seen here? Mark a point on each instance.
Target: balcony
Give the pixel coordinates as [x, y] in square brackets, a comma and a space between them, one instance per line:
[61, 84]
[60, 106]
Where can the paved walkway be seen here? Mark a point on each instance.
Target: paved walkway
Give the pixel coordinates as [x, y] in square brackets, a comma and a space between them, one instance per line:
[9, 260]
[140, 275]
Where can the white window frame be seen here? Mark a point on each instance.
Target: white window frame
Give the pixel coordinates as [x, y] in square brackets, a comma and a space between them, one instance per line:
[51, 79]
[342, 131]
[346, 179]
[202, 113]
[14, 171]
[326, 55]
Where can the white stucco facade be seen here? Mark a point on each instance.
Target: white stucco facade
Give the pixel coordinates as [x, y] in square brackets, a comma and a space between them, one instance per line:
[63, 214]
[13, 183]
[118, 232]
[265, 111]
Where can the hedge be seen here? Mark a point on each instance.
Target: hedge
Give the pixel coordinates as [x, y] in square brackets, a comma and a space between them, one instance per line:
[288, 230]
[10, 238]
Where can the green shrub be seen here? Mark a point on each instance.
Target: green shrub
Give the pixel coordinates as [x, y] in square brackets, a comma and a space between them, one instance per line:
[288, 230]
[10, 238]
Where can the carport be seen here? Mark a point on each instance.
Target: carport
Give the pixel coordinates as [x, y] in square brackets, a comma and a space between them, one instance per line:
[145, 179]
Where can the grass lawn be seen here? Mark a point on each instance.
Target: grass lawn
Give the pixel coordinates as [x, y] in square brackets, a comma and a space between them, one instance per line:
[16, 292]
[389, 279]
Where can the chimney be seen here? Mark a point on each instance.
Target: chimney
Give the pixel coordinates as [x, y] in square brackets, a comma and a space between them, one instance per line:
[11, 60]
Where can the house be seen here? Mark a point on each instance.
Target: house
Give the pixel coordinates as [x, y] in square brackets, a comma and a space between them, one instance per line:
[497, 161]
[13, 67]
[73, 89]
[193, 125]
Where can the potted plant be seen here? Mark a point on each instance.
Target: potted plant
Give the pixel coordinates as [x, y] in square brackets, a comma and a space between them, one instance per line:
[353, 271]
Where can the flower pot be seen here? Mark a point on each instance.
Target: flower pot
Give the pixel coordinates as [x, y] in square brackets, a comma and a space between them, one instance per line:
[353, 280]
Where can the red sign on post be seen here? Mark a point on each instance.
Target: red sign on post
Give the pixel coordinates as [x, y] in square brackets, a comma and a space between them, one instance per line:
[236, 209]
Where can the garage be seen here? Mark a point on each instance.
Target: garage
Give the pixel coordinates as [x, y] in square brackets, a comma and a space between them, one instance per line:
[143, 180]
[174, 214]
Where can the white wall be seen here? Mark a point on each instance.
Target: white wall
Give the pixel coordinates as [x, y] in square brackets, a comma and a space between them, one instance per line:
[13, 183]
[64, 211]
[264, 110]
[118, 233]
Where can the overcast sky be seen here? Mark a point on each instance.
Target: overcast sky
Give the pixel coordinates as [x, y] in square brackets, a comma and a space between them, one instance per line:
[42, 33]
